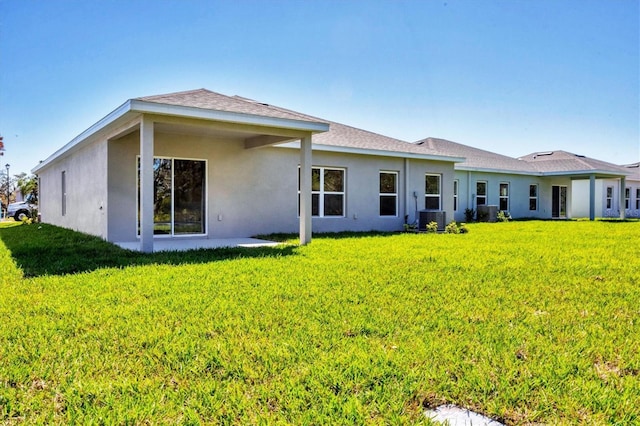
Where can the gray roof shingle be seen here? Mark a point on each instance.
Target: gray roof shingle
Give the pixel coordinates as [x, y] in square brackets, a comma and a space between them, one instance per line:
[477, 158]
[562, 161]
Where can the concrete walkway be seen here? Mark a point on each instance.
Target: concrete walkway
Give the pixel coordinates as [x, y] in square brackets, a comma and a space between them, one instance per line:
[183, 244]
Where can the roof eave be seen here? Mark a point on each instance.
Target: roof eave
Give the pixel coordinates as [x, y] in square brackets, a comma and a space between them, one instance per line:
[227, 116]
[502, 171]
[376, 152]
[99, 125]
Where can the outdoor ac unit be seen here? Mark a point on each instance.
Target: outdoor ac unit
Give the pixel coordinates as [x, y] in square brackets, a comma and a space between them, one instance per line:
[487, 213]
[428, 216]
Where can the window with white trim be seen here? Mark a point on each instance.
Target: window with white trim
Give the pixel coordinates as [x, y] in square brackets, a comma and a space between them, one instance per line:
[455, 195]
[388, 193]
[609, 196]
[481, 193]
[432, 191]
[627, 198]
[327, 192]
[504, 196]
[533, 197]
[637, 198]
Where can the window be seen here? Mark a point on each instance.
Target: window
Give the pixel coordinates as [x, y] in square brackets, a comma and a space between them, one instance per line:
[179, 196]
[609, 196]
[637, 198]
[504, 196]
[432, 192]
[533, 197]
[455, 195]
[627, 196]
[481, 193]
[327, 192]
[388, 193]
[63, 182]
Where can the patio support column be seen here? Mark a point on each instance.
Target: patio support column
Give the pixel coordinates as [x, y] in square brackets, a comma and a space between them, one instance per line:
[305, 190]
[592, 197]
[623, 213]
[407, 191]
[146, 185]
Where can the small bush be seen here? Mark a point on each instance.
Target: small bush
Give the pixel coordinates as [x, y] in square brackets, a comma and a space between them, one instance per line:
[432, 227]
[452, 228]
[463, 228]
[469, 215]
[503, 216]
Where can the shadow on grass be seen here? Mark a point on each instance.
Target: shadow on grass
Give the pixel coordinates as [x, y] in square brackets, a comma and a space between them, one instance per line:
[41, 249]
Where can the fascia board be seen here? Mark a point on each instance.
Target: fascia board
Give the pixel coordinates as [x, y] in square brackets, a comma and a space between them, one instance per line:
[101, 124]
[501, 171]
[601, 173]
[227, 116]
[375, 152]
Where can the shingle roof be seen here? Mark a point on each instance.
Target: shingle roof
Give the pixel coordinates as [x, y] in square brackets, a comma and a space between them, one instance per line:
[339, 135]
[562, 161]
[476, 158]
[634, 169]
[206, 99]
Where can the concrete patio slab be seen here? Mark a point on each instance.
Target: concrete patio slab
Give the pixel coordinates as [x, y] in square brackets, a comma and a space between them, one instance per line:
[179, 244]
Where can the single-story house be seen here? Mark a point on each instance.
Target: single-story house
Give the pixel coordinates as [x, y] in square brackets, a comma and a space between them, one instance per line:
[199, 164]
[202, 165]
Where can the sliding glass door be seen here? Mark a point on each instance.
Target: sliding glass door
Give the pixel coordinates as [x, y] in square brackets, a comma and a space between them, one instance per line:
[179, 196]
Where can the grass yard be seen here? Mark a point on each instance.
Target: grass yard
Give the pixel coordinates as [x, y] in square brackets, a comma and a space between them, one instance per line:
[525, 322]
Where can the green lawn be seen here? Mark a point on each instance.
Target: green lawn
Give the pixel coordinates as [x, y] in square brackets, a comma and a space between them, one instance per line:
[523, 321]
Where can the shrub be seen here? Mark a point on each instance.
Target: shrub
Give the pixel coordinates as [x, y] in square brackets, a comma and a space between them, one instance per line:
[432, 227]
[469, 214]
[463, 228]
[503, 216]
[452, 228]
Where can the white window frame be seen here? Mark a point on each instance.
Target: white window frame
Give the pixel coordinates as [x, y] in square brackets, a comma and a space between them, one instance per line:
[503, 197]
[533, 198]
[486, 186]
[63, 187]
[388, 194]
[438, 195]
[321, 193]
[637, 198]
[627, 198]
[456, 184]
[609, 197]
[172, 234]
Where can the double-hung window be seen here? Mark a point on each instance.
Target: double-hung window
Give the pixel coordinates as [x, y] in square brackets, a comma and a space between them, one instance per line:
[327, 192]
[637, 198]
[481, 193]
[533, 197]
[455, 195]
[504, 196]
[627, 198]
[609, 196]
[388, 193]
[432, 191]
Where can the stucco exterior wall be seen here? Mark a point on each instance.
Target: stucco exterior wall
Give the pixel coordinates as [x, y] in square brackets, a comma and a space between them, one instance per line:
[580, 202]
[518, 193]
[86, 190]
[255, 191]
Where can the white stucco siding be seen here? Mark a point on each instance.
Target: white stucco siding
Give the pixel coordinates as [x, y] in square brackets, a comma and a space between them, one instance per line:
[85, 175]
[255, 191]
[518, 193]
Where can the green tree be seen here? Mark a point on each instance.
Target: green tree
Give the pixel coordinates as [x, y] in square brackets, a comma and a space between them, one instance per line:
[27, 184]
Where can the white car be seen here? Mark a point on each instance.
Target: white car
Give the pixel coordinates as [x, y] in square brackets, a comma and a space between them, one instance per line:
[23, 209]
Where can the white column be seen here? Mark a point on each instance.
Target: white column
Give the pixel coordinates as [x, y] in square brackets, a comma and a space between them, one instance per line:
[146, 185]
[592, 197]
[623, 213]
[408, 197]
[305, 190]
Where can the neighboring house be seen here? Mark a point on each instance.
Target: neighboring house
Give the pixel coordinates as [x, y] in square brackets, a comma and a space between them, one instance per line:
[585, 174]
[489, 179]
[609, 202]
[199, 164]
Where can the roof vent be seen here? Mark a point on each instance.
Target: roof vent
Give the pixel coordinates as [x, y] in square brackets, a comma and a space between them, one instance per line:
[579, 155]
[541, 154]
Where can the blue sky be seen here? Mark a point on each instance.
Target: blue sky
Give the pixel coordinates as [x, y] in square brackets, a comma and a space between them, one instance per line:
[507, 76]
